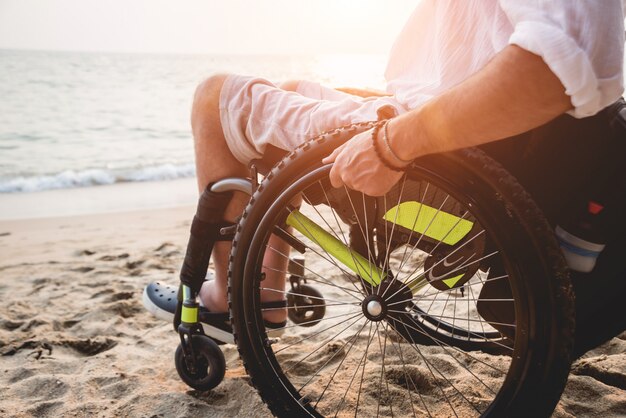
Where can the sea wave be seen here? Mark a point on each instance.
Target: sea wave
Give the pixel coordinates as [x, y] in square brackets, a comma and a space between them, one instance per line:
[94, 177]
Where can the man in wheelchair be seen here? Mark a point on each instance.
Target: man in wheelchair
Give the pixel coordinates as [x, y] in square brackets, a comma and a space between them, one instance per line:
[536, 86]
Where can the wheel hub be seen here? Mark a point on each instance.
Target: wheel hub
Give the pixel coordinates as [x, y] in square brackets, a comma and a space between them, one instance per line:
[391, 294]
[374, 308]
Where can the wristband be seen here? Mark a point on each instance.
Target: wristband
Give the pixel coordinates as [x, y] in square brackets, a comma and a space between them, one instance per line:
[386, 141]
[380, 154]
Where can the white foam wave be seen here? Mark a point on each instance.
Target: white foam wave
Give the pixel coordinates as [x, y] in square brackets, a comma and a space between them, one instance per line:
[161, 172]
[94, 177]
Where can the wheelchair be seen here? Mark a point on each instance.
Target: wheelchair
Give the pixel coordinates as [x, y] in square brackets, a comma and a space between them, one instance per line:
[448, 296]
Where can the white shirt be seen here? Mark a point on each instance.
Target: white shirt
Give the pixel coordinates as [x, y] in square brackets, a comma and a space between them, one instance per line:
[446, 41]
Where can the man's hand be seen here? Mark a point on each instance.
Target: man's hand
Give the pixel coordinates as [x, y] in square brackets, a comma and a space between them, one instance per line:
[358, 167]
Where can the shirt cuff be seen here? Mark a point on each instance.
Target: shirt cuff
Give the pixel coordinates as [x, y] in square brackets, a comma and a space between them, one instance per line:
[566, 60]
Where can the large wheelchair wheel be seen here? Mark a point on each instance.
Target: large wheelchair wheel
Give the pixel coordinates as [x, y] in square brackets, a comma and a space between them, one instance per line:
[446, 297]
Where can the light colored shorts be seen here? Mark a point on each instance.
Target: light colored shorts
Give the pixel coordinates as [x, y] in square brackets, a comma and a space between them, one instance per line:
[254, 113]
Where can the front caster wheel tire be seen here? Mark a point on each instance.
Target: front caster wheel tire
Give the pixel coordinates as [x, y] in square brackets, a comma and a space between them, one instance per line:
[306, 306]
[210, 364]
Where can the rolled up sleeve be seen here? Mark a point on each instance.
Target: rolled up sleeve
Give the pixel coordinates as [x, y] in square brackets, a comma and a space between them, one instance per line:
[582, 42]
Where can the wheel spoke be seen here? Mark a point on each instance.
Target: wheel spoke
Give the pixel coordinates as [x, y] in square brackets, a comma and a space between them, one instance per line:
[407, 378]
[314, 321]
[428, 365]
[352, 341]
[364, 233]
[424, 233]
[442, 344]
[468, 319]
[285, 292]
[383, 350]
[343, 236]
[390, 236]
[325, 282]
[328, 257]
[314, 335]
[356, 371]
[323, 279]
[481, 282]
[419, 211]
[322, 346]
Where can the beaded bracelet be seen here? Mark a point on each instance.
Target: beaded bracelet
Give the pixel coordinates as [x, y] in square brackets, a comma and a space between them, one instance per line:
[391, 151]
[380, 154]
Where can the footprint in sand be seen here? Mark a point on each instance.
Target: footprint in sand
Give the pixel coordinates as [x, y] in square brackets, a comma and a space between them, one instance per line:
[164, 246]
[124, 308]
[606, 369]
[42, 388]
[89, 347]
[45, 409]
[167, 250]
[34, 323]
[121, 296]
[102, 293]
[9, 325]
[132, 265]
[40, 348]
[83, 269]
[86, 252]
[418, 377]
[39, 284]
[114, 257]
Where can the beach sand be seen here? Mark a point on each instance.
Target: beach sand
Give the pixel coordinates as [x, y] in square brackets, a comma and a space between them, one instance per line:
[75, 339]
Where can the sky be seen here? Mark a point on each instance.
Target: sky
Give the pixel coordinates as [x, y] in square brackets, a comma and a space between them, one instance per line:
[204, 26]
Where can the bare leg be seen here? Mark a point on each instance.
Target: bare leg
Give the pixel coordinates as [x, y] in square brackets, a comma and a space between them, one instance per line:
[214, 161]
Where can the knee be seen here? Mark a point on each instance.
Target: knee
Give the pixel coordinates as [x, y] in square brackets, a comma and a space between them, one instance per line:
[290, 85]
[206, 98]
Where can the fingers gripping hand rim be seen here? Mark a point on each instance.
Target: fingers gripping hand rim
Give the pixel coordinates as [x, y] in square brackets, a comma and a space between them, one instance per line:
[358, 166]
[335, 173]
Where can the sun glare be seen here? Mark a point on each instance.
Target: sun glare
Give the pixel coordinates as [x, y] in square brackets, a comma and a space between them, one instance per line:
[351, 70]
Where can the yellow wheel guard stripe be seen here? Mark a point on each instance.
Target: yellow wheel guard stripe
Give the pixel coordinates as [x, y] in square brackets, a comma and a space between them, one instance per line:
[352, 260]
[426, 220]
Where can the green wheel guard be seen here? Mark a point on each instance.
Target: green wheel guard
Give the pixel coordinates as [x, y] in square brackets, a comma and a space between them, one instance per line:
[352, 260]
[426, 220]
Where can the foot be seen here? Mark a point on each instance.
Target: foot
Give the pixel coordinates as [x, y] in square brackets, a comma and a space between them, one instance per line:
[161, 300]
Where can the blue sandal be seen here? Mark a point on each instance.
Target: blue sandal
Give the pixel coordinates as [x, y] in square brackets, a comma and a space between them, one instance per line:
[161, 300]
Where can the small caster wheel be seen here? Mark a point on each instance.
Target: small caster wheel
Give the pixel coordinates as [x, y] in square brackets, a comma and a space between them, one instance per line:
[307, 310]
[210, 364]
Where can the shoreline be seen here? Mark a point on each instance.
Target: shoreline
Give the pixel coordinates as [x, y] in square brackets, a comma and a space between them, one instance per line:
[56, 239]
[114, 198]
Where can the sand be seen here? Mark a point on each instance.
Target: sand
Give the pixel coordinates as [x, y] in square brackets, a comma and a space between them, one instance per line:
[75, 339]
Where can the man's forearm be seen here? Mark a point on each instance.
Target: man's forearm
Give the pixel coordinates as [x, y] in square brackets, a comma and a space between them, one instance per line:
[512, 94]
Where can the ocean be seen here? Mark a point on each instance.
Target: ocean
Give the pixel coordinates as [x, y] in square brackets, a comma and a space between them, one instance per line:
[72, 119]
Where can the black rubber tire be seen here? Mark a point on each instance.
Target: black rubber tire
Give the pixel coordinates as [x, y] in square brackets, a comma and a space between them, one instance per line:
[541, 357]
[211, 365]
[303, 310]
